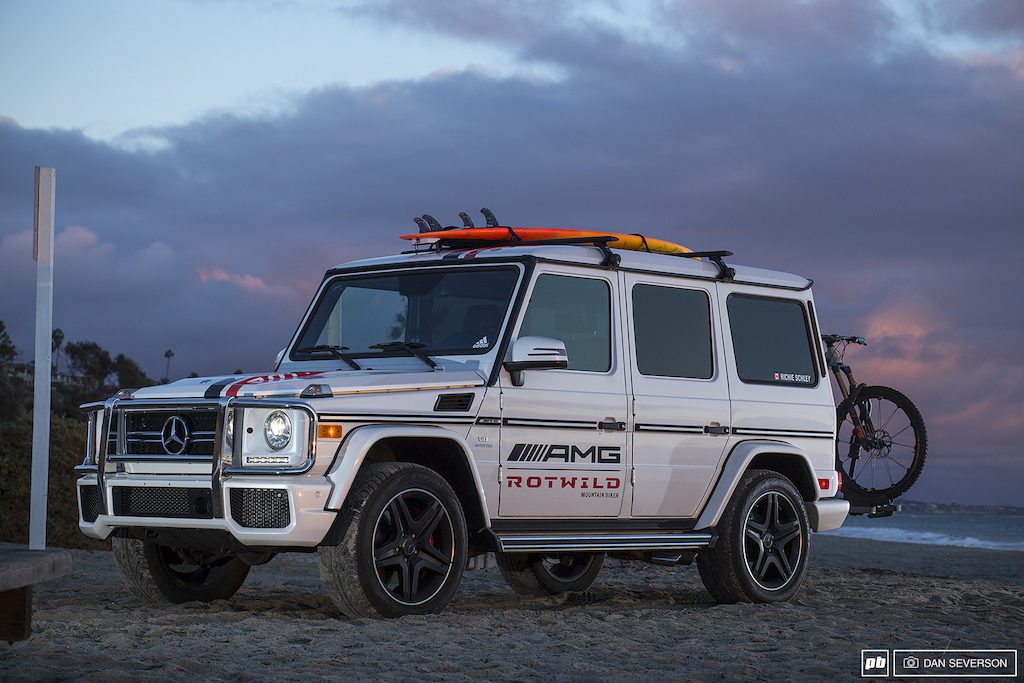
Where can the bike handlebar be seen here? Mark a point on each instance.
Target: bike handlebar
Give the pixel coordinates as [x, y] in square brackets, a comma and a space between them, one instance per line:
[831, 339]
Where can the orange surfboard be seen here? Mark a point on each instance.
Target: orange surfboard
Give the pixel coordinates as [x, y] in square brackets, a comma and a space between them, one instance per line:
[510, 236]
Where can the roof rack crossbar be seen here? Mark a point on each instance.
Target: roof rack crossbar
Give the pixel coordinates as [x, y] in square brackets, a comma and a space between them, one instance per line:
[725, 273]
[611, 260]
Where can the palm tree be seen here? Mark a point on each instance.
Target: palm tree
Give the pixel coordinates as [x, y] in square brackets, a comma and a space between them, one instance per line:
[58, 341]
[168, 355]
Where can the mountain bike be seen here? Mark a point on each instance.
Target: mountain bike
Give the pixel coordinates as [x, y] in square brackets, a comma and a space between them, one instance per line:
[880, 434]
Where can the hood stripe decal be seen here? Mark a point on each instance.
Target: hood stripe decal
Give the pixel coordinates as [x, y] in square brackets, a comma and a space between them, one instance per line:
[213, 391]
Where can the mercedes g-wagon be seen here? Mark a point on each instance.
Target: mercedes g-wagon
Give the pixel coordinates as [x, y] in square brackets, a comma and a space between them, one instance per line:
[552, 402]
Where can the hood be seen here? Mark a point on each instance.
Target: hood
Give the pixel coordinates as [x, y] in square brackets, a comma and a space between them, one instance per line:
[292, 384]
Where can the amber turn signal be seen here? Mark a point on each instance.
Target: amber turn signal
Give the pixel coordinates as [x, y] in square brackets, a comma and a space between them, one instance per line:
[328, 431]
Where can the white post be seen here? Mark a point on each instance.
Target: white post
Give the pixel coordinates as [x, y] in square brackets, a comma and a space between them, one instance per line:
[42, 252]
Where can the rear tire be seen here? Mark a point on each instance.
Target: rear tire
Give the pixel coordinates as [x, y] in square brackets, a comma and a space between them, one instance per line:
[402, 544]
[878, 469]
[160, 575]
[761, 553]
[536, 575]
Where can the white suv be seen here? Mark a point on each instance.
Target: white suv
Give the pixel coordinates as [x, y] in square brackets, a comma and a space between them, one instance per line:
[548, 403]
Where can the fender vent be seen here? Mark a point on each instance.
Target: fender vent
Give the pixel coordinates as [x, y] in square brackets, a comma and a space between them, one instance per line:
[453, 403]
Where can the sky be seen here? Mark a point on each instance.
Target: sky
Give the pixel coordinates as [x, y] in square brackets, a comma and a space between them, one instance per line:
[215, 157]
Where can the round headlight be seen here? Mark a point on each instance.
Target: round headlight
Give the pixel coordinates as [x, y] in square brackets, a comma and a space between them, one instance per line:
[278, 429]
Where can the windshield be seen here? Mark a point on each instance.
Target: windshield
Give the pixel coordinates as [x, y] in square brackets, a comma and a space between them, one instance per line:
[436, 311]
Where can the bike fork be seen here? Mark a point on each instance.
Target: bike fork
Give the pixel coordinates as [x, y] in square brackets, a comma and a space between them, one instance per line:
[861, 427]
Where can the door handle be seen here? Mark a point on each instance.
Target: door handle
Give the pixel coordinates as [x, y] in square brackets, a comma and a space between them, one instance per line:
[611, 425]
[715, 429]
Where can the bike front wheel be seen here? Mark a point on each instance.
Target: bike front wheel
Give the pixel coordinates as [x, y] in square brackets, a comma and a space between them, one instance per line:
[886, 459]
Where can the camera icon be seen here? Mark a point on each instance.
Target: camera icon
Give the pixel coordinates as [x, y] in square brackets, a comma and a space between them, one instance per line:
[911, 662]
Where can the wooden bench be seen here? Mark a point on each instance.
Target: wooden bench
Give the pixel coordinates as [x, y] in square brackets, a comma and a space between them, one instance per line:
[19, 571]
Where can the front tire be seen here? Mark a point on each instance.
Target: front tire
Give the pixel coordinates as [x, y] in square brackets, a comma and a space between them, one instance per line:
[160, 575]
[761, 553]
[402, 545]
[535, 576]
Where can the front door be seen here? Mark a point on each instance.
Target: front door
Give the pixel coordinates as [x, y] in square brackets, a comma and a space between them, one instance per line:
[563, 433]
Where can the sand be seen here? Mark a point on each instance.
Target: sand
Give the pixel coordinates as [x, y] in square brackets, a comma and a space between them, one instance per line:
[638, 620]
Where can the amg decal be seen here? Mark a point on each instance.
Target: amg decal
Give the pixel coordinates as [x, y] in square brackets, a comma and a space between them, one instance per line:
[533, 452]
[550, 482]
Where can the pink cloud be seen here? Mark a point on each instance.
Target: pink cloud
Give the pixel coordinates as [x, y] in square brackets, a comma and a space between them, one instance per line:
[909, 340]
[79, 238]
[969, 395]
[249, 283]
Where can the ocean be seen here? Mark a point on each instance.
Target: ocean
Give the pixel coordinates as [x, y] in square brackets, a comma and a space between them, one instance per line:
[969, 531]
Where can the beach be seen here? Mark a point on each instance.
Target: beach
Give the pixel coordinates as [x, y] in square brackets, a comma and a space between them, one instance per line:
[637, 620]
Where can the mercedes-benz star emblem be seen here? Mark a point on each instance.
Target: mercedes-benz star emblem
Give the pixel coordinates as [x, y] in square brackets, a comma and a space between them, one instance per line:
[174, 435]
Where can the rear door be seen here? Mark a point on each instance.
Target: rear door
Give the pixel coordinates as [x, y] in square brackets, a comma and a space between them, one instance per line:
[680, 393]
[778, 389]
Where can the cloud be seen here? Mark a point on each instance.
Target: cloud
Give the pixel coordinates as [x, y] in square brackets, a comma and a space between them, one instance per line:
[821, 145]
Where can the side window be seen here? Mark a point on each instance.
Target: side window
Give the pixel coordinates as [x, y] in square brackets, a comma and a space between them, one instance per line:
[576, 311]
[771, 340]
[672, 332]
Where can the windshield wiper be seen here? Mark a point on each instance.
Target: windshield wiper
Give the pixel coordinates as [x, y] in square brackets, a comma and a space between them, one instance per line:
[412, 348]
[335, 351]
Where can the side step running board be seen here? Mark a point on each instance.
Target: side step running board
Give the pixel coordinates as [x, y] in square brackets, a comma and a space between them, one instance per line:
[536, 543]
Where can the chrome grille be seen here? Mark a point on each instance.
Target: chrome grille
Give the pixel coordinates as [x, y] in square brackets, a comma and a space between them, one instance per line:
[143, 433]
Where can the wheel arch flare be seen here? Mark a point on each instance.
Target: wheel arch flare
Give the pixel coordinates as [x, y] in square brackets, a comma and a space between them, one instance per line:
[438, 448]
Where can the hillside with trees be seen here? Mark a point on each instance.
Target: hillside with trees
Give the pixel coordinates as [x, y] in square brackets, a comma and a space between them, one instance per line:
[89, 373]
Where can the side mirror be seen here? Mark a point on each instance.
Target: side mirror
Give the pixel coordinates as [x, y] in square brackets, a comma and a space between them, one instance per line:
[280, 357]
[535, 353]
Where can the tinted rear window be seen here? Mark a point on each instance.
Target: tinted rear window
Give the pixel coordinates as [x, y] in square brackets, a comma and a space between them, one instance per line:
[672, 330]
[771, 341]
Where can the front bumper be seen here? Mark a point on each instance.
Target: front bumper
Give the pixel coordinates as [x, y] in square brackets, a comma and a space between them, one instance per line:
[125, 484]
[255, 511]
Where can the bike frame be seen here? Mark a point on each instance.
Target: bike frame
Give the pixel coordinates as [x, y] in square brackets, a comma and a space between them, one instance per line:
[848, 386]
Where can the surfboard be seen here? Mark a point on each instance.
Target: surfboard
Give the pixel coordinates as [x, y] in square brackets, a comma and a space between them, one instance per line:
[507, 236]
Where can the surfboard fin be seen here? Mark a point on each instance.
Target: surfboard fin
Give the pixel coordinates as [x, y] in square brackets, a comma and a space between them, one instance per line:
[466, 220]
[432, 222]
[423, 225]
[492, 222]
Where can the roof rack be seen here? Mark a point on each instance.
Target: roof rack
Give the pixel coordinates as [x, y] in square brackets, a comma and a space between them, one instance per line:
[428, 224]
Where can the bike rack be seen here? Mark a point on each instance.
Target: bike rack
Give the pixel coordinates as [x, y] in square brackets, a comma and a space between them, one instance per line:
[884, 510]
